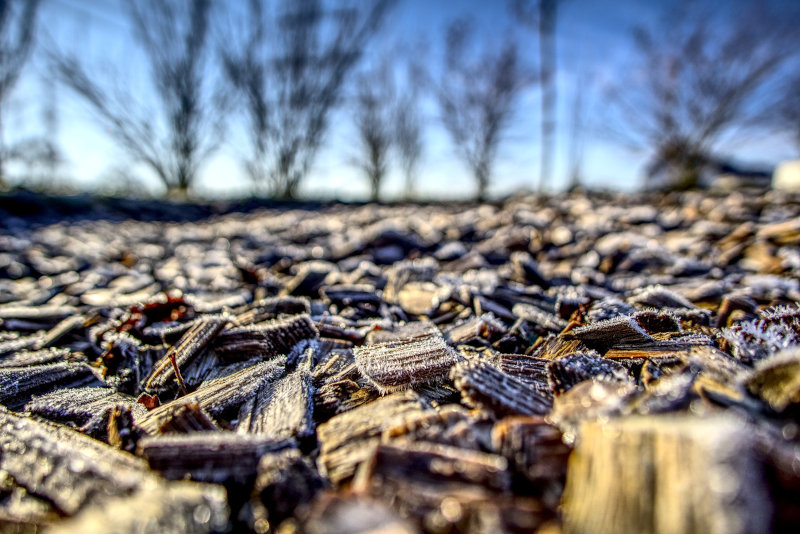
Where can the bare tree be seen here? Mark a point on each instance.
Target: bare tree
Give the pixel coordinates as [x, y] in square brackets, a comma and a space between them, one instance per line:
[408, 128]
[40, 157]
[786, 114]
[476, 99]
[17, 30]
[702, 77]
[577, 126]
[375, 96]
[175, 39]
[290, 67]
[387, 119]
[543, 17]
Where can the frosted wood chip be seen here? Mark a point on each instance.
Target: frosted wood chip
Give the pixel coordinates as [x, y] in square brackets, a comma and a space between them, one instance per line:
[89, 408]
[398, 364]
[270, 308]
[283, 409]
[346, 440]
[218, 395]
[602, 335]
[266, 339]
[208, 456]
[572, 369]
[483, 385]
[19, 384]
[189, 417]
[191, 345]
[63, 465]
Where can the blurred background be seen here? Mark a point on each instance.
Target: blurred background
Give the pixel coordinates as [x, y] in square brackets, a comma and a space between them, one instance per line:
[395, 99]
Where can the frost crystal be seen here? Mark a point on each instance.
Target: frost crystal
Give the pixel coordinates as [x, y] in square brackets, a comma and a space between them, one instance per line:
[776, 329]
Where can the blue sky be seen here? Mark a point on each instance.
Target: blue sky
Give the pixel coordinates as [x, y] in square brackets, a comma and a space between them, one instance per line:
[593, 43]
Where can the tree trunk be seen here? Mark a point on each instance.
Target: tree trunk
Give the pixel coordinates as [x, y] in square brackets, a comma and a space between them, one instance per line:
[177, 193]
[547, 69]
[3, 183]
[409, 192]
[482, 178]
[375, 183]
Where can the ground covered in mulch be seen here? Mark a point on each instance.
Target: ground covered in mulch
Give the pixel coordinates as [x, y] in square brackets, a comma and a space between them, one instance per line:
[586, 363]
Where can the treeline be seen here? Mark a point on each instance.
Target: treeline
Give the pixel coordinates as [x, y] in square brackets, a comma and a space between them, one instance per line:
[280, 70]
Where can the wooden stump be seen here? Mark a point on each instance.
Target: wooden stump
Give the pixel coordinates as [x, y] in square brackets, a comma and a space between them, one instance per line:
[664, 475]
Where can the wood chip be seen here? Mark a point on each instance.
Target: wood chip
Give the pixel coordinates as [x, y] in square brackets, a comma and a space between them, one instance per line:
[399, 364]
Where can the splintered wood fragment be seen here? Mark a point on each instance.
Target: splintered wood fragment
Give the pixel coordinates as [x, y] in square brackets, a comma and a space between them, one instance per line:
[88, 408]
[398, 364]
[64, 466]
[64, 327]
[19, 384]
[350, 295]
[266, 339]
[568, 371]
[270, 308]
[655, 351]
[734, 303]
[169, 332]
[186, 418]
[24, 358]
[658, 296]
[121, 432]
[437, 394]
[283, 409]
[404, 467]
[401, 332]
[197, 371]
[219, 395]
[484, 386]
[238, 344]
[553, 347]
[539, 317]
[714, 362]
[215, 457]
[346, 440]
[18, 343]
[164, 508]
[669, 344]
[666, 475]
[475, 330]
[191, 345]
[602, 335]
[528, 369]
[341, 396]
[449, 425]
